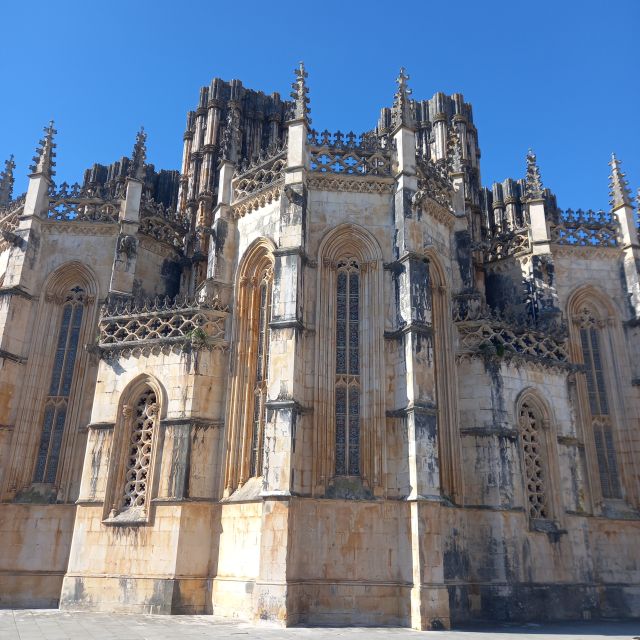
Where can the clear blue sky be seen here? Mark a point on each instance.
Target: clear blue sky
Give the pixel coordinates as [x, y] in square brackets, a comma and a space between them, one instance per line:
[560, 77]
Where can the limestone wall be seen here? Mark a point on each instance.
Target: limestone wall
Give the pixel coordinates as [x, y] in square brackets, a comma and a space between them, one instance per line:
[34, 553]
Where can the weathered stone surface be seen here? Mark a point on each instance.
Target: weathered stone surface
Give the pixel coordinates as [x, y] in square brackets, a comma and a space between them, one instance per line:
[318, 378]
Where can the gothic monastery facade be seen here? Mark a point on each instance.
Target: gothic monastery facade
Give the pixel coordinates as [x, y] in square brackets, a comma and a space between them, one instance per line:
[318, 378]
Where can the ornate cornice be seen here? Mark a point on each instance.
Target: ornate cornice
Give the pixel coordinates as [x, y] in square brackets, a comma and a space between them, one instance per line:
[363, 184]
[81, 228]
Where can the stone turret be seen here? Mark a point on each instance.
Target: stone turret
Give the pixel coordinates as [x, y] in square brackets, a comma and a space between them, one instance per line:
[41, 176]
[622, 209]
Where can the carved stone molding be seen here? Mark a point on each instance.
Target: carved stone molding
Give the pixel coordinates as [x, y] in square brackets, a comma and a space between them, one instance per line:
[333, 182]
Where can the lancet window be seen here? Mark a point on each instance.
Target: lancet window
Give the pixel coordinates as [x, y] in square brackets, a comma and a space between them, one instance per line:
[247, 409]
[601, 422]
[141, 427]
[347, 383]
[534, 462]
[263, 314]
[57, 401]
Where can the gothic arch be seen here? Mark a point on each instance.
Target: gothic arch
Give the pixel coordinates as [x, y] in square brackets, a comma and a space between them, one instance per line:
[349, 253]
[249, 364]
[69, 274]
[446, 380]
[540, 470]
[64, 321]
[596, 342]
[132, 481]
[349, 238]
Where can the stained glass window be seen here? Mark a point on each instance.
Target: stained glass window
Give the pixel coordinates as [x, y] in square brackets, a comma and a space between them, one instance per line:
[590, 338]
[534, 463]
[57, 401]
[263, 311]
[347, 391]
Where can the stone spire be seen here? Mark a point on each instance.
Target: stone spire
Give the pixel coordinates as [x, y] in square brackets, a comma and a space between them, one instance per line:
[300, 95]
[138, 156]
[533, 180]
[6, 182]
[618, 186]
[45, 154]
[401, 112]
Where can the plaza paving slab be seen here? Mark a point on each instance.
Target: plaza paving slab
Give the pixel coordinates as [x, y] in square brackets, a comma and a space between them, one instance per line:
[51, 624]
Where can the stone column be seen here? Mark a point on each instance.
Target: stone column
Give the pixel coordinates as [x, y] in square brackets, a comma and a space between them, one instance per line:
[18, 315]
[415, 333]
[286, 376]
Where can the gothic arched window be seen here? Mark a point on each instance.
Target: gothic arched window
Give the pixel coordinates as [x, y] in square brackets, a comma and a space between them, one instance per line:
[57, 400]
[263, 313]
[601, 422]
[349, 416]
[141, 419]
[534, 460]
[247, 408]
[347, 392]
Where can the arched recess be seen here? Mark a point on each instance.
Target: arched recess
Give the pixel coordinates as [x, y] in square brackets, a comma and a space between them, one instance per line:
[537, 442]
[349, 360]
[57, 386]
[249, 365]
[596, 341]
[132, 480]
[446, 381]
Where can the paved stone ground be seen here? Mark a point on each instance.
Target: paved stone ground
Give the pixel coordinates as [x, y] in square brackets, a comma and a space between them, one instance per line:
[50, 624]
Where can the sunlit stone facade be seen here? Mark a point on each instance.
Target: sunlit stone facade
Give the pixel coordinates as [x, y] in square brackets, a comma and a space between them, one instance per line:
[318, 378]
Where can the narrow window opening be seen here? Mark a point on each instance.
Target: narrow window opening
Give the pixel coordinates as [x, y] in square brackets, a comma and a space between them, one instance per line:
[601, 423]
[261, 375]
[139, 451]
[347, 384]
[534, 463]
[57, 400]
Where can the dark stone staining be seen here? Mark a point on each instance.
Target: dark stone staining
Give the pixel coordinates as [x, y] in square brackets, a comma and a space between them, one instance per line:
[455, 558]
[502, 290]
[179, 472]
[220, 235]
[33, 248]
[294, 213]
[525, 602]
[96, 459]
[426, 434]
[424, 343]
[171, 273]
[462, 240]
[420, 292]
[348, 488]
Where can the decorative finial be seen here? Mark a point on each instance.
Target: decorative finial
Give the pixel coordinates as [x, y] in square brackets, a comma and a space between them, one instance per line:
[138, 156]
[300, 109]
[401, 113]
[45, 154]
[533, 189]
[619, 195]
[6, 182]
[454, 150]
[231, 135]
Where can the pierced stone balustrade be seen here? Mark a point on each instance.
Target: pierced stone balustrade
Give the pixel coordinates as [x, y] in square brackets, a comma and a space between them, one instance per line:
[261, 175]
[482, 332]
[349, 154]
[586, 229]
[185, 323]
